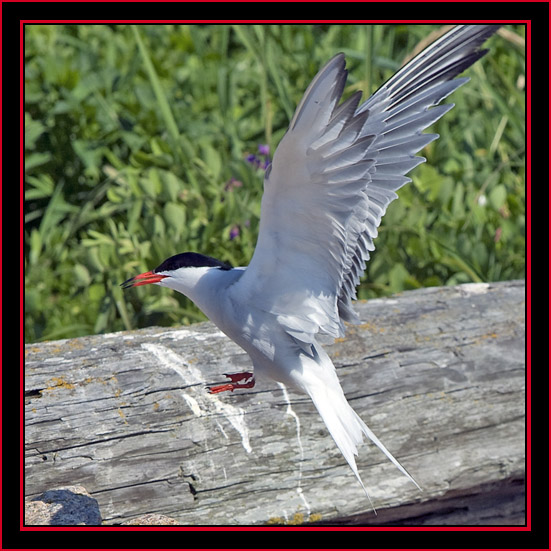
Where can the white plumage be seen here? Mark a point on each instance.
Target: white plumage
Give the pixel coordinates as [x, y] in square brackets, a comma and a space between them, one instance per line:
[332, 177]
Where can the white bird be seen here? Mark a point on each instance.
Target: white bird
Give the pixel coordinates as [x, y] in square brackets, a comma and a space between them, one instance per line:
[331, 179]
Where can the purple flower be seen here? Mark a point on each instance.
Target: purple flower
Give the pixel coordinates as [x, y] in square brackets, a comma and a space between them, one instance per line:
[234, 232]
[261, 161]
[252, 158]
[264, 149]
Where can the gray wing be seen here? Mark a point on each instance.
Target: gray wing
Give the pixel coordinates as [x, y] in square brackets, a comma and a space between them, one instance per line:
[332, 177]
[397, 114]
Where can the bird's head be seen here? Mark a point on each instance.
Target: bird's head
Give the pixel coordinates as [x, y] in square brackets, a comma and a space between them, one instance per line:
[180, 272]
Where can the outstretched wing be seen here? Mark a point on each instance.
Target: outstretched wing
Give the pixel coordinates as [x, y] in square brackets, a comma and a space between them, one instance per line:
[332, 177]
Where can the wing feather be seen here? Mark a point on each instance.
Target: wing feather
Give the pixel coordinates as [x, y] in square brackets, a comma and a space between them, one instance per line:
[332, 178]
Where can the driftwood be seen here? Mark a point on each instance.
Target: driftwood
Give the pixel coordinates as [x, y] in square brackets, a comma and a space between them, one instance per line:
[438, 374]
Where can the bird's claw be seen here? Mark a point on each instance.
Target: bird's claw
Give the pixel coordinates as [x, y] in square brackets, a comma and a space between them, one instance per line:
[246, 376]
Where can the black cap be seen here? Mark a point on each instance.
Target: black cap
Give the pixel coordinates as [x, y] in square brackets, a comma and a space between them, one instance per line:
[190, 260]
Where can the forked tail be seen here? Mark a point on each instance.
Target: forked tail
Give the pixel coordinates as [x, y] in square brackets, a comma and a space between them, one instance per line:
[346, 427]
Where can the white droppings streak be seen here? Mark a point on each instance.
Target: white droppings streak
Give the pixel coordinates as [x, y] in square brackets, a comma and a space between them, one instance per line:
[221, 428]
[57, 360]
[292, 413]
[197, 398]
[187, 333]
[193, 404]
[474, 288]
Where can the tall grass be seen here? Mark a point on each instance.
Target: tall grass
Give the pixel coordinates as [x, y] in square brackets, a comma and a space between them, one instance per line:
[142, 141]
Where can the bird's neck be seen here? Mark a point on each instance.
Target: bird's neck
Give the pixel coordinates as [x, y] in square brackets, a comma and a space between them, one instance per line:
[206, 287]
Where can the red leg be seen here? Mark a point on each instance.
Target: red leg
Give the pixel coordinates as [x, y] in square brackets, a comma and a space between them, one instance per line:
[247, 376]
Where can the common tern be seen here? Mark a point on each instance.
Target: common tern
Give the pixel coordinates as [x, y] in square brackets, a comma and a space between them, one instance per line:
[331, 179]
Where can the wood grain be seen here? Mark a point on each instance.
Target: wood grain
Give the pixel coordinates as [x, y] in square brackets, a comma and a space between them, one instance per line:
[438, 374]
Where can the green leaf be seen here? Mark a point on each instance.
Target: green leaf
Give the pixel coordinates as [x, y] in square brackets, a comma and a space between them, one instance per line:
[35, 247]
[34, 160]
[33, 131]
[175, 215]
[41, 186]
[458, 201]
[498, 196]
[159, 92]
[81, 275]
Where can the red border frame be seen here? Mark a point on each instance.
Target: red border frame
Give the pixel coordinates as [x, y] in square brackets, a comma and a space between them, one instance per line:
[525, 528]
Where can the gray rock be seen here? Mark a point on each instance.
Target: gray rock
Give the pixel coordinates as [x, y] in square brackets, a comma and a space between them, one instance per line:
[152, 519]
[69, 505]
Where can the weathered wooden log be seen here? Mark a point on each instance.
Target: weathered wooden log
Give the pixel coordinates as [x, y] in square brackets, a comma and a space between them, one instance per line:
[438, 374]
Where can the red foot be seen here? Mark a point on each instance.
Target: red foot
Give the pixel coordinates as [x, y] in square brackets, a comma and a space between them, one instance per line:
[247, 376]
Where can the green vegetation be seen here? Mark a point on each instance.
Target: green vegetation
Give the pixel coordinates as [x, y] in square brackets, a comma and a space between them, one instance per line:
[136, 146]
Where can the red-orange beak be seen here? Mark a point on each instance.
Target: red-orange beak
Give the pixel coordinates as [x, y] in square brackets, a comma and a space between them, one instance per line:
[143, 279]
